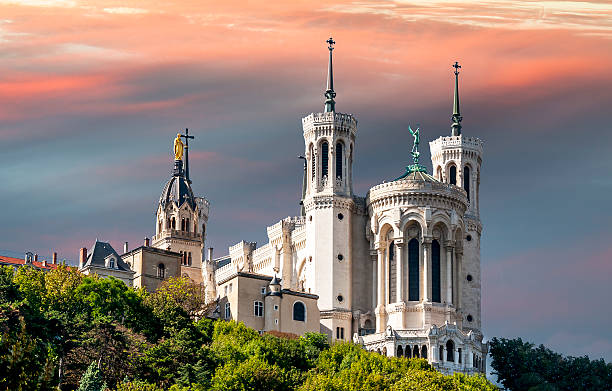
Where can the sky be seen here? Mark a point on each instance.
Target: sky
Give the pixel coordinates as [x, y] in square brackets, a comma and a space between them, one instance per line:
[93, 93]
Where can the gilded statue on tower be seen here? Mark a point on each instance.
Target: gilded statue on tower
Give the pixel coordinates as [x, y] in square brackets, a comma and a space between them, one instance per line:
[178, 147]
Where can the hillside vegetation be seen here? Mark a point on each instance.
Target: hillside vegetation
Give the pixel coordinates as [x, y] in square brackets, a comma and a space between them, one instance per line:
[65, 330]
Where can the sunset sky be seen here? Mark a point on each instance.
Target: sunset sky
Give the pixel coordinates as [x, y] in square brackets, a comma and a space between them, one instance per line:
[93, 93]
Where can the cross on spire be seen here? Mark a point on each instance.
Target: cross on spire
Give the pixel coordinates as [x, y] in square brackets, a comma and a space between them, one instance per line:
[186, 136]
[456, 117]
[330, 94]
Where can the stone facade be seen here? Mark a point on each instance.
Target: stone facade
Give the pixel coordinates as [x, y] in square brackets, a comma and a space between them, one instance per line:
[397, 270]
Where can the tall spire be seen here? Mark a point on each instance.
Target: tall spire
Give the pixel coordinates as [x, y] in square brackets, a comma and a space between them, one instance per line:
[456, 118]
[330, 103]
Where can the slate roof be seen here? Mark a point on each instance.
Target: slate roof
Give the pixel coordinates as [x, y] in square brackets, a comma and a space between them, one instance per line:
[98, 253]
[177, 190]
[223, 261]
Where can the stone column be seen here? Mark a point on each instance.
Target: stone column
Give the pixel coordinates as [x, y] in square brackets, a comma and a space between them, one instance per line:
[374, 278]
[458, 277]
[399, 262]
[426, 268]
[449, 272]
[380, 309]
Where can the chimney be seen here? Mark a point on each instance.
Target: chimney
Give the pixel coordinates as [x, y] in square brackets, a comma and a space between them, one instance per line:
[125, 247]
[54, 258]
[146, 242]
[44, 263]
[82, 257]
[210, 254]
[35, 257]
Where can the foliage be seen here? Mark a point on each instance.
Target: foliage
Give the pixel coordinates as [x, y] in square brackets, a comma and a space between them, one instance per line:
[92, 379]
[523, 366]
[62, 329]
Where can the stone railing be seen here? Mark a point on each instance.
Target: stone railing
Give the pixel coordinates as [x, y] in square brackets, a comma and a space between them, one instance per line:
[178, 234]
[338, 119]
[458, 141]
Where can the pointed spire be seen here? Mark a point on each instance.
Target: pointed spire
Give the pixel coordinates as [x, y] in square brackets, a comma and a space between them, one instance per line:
[330, 103]
[456, 118]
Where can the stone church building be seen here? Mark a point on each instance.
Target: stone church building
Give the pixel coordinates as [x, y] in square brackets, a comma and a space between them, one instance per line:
[396, 270]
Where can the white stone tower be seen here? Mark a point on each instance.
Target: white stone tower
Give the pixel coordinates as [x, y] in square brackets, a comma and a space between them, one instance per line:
[457, 160]
[329, 139]
[182, 218]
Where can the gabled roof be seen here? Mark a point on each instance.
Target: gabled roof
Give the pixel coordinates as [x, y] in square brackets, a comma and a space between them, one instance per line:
[98, 254]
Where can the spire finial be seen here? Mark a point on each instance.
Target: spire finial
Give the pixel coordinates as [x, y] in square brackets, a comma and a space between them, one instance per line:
[330, 103]
[456, 118]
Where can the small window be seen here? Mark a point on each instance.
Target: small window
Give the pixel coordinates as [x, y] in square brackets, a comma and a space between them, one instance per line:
[275, 307]
[225, 290]
[299, 311]
[469, 277]
[340, 298]
[339, 332]
[258, 309]
[161, 270]
[230, 288]
[469, 318]
[459, 354]
[228, 311]
[340, 216]
[340, 257]
[450, 351]
[441, 353]
[187, 225]
[468, 238]
[263, 290]
[275, 321]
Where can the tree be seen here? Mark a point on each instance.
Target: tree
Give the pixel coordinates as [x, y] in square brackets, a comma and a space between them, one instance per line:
[92, 379]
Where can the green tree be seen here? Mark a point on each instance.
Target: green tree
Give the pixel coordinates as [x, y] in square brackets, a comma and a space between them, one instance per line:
[92, 379]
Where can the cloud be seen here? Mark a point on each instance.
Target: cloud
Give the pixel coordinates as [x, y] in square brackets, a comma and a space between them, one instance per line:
[125, 10]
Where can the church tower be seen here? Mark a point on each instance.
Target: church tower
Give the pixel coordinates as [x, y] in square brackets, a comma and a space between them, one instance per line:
[181, 217]
[329, 139]
[456, 160]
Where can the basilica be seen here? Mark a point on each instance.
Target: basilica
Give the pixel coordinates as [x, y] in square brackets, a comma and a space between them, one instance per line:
[396, 270]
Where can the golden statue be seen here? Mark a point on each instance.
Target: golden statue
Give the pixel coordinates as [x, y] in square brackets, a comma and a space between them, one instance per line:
[178, 147]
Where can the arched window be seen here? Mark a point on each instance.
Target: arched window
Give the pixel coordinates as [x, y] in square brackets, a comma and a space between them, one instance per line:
[439, 173]
[466, 181]
[159, 226]
[161, 270]
[408, 352]
[299, 311]
[173, 223]
[187, 225]
[324, 159]
[228, 311]
[413, 270]
[189, 259]
[182, 258]
[400, 351]
[441, 353]
[424, 351]
[392, 273]
[435, 271]
[453, 175]
[339, 159]
[450, 351]
[183, 224]
[415, 352]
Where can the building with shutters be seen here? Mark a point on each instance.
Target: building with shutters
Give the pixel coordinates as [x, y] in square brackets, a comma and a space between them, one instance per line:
[396, 270]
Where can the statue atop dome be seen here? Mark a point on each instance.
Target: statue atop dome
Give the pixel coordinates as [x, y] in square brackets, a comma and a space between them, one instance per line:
[178, 147]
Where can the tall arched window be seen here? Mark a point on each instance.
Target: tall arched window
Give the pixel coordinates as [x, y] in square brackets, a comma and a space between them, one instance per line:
[413, 270]
[415, 352]
[450, 351]
[392, 273]
[183, 224]
[324, 159]
[161, 270]
[299, 311]
[424, 351]
[453, 175]
[189, 259]
[466, 181]
[173, 223]
[435, 271]
[339, 159]
[400, 351]
[187, 225]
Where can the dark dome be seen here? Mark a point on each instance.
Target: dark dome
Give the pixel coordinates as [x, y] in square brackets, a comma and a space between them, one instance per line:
[177, 190]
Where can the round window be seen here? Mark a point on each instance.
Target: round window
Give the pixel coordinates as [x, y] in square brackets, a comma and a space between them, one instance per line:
[340, 257]
[469, 318]
[340, 216]
[340, 298]
[468, 238]
[469, 277]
